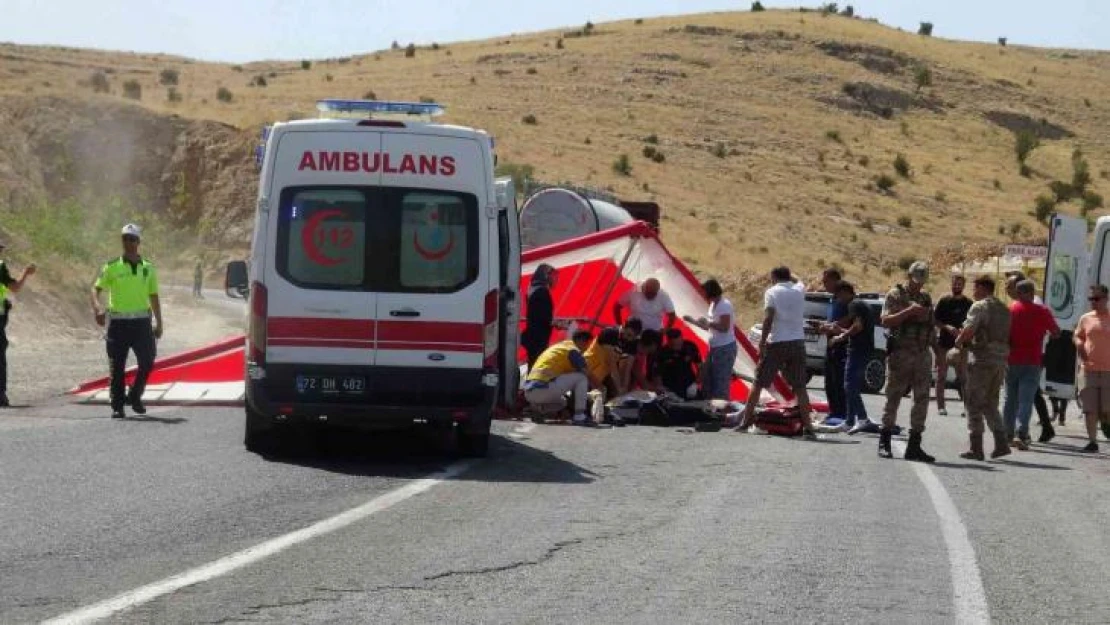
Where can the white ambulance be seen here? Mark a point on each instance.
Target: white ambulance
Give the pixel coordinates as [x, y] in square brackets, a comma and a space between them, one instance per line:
[383, 276]
[1075, 262]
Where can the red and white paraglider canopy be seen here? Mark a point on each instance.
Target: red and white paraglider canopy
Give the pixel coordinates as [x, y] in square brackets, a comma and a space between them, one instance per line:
[596, 269]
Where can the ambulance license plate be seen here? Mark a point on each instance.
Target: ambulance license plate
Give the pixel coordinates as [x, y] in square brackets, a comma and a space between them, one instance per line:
[331, 385]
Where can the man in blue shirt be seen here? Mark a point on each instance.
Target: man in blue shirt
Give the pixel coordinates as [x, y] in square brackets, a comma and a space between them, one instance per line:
[836, 354]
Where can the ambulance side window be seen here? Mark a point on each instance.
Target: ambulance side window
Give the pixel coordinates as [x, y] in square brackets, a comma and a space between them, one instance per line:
[322, 238]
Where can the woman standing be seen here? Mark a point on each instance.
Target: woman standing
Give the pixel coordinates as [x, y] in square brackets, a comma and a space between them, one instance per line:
[541, 313]
[722, 343]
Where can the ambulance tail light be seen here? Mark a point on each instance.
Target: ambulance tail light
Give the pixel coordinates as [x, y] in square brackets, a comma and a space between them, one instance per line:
[256, 328]
[490, 331]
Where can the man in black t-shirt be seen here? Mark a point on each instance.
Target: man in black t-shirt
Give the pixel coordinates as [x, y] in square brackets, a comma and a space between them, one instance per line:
[677, 365]
[950, 314]
[859, 335]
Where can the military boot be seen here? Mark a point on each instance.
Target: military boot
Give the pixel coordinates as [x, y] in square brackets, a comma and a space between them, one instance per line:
[884, 444]
[976, 451]
[915, 452]
[1001, 444]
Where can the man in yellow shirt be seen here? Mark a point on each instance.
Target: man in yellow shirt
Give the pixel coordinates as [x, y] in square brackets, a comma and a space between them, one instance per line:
[132, 285]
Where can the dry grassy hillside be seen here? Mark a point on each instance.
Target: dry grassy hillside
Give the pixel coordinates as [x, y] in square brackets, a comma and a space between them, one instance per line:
[774, 126]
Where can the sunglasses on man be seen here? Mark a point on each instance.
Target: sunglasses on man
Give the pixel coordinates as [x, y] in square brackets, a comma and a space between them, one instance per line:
[130, 238]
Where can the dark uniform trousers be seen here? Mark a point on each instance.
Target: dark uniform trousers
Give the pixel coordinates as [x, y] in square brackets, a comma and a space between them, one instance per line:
[4, 347]
[126, 335]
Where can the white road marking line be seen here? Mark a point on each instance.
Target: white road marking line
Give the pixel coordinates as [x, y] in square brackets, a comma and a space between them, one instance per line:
[967, 582]
[251, 555]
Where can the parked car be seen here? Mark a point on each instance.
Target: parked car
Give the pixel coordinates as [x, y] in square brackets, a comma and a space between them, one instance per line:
[816, 308]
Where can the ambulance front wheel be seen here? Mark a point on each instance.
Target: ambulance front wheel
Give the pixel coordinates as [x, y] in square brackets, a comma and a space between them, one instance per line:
[259, 436]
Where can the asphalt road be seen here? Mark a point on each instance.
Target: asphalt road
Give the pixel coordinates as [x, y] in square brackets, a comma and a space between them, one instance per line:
[560, 524]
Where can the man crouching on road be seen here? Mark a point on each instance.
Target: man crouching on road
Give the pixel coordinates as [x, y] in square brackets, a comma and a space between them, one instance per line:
[560, 369]
[132, 285]
[987, 330]
[908, 314]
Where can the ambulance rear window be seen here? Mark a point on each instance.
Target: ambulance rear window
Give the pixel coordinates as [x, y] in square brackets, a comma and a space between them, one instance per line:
[383, 239]
[325, 238]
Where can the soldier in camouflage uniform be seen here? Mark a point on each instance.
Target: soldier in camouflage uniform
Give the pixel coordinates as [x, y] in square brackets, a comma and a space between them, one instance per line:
[987, 332]
[908, 314]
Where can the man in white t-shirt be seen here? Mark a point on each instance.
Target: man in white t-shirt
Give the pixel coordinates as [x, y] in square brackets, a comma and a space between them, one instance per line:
[782, 347]
[648, 303]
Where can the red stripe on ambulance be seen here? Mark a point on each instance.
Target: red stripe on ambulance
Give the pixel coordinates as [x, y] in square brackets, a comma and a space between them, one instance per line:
[425, 332]
[320, 328]
[373, 162]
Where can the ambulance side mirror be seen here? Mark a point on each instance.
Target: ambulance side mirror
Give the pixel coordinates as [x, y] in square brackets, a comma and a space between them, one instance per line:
[236, 279]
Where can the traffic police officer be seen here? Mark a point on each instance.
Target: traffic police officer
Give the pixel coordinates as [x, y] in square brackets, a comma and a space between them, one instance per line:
[908, 314]
[132, 285]
[8, 284]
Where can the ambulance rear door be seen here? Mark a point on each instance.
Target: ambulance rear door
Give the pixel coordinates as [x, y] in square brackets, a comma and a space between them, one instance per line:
[430, 250]
[321, 309]
[508, 232]
[1067, 275]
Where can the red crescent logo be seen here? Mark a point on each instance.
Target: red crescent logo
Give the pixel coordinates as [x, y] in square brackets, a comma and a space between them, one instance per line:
[308, 236]
[437, 255]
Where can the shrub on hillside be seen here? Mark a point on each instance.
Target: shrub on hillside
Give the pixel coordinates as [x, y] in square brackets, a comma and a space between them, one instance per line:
[1062, 191]
[559, 44]
[658, 157]
[830, 8]
[306, 65]
[259, 81]
[99, 83]
[757, 6]
[623, 165]
[904, 262]
[885, 183]
[902, 166]
[926, 29]
[410, 51]
[849, 11]
[1002, 41]
[834, 135]
[520, 174]
[223, 94]
[652, 139]
[329, 77]
[529, 119]
[1091, 201]
[905, 221]
[531, 71]
[168, 77]
[923, 77]
[370, 95]
[1024, 144]
[649, 151]
[132, 89]
[172, 95]
[719, 150]
[1081, 172]
[1043, 207]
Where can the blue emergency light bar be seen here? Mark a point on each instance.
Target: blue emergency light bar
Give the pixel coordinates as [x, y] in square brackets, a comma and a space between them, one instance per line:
[370, 107]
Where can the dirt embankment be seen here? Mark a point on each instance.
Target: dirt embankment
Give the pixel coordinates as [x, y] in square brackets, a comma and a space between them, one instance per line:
[190, 183]
[195, 174]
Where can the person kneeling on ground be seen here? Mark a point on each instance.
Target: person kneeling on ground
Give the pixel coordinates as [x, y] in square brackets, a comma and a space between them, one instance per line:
[643, 365]
[560, 369]
[677, 366]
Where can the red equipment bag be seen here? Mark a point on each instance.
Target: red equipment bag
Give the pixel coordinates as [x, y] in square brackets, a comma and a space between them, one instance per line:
[780, 421]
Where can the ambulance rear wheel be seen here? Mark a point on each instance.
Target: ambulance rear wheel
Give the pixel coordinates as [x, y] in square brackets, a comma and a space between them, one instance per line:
[259, 436]
[472, 444]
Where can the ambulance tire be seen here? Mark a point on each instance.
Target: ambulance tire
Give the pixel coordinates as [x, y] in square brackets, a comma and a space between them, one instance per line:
[259, 436]
[472, 443]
